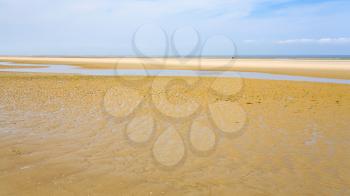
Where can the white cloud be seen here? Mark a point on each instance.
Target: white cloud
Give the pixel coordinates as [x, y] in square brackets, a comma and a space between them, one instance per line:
[339, 40]
[250, 41]
[107, 26]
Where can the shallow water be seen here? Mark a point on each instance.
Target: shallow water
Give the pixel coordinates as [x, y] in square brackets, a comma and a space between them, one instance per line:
[69, 69]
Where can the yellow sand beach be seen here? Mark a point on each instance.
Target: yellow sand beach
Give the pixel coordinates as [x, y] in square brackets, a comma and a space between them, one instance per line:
[304, 67]
[104, 135]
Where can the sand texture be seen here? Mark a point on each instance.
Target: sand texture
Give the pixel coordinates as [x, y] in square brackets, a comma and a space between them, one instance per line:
[90, 135]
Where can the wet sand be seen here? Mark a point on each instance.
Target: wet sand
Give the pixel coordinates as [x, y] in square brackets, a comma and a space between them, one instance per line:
[19, 67]
[62, 135]
[301, 67]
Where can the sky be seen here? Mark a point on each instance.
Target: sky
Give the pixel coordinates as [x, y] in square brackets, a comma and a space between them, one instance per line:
[168, 27]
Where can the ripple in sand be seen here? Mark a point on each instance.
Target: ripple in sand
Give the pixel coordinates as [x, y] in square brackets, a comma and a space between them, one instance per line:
[202, 137]
[229, 117]
[227, 86]
[140, 129]
[169, 148]
[166, 107]
[121, 101]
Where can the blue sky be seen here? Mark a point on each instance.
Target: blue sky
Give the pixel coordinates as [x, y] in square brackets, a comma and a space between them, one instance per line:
[182, 27]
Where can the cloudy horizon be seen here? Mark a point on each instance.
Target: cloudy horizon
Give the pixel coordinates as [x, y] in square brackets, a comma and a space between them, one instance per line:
[154, 27]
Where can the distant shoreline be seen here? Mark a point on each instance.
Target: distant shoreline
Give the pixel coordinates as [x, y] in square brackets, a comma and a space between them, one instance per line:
[326, 57]
[325, 68]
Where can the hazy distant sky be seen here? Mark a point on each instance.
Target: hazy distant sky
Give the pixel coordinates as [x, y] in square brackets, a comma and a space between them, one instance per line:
[106, 27]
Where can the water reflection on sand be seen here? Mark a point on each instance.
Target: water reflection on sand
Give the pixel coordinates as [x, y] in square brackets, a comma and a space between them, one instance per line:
[69, 69]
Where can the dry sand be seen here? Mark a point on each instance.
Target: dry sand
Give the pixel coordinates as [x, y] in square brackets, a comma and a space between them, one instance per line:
[312, 67]
[61, 135]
